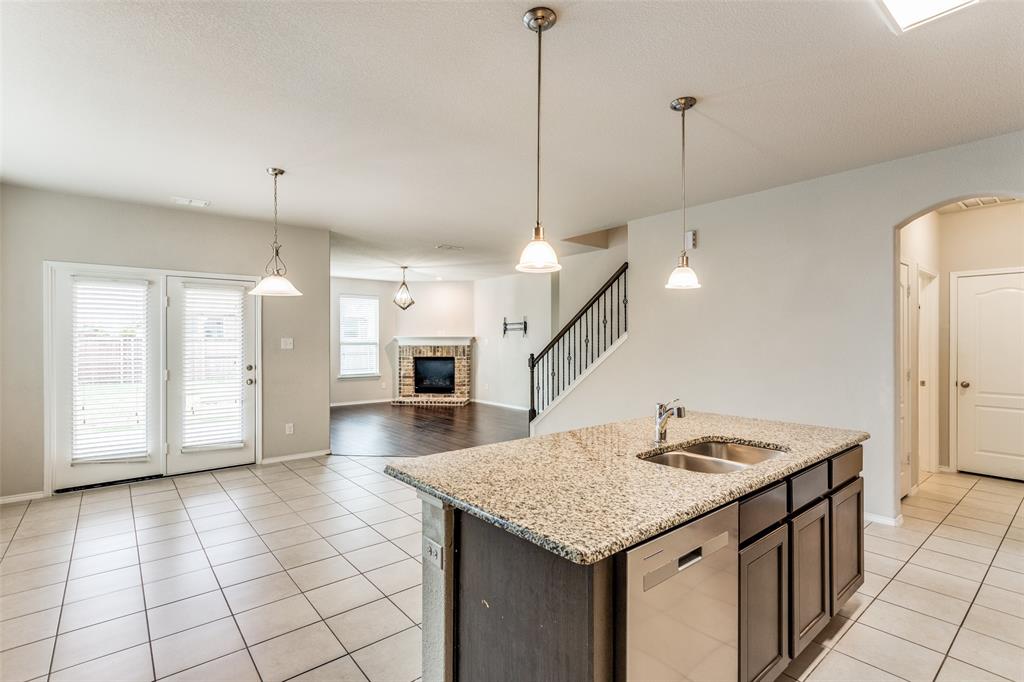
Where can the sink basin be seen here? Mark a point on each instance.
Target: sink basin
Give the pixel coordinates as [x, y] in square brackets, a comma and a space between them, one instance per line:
[733, 452]
[700, 463]
[715, 457]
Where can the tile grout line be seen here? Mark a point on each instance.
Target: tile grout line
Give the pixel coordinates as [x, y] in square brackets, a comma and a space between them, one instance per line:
[142, 586]
[223, 596]
[67, 579]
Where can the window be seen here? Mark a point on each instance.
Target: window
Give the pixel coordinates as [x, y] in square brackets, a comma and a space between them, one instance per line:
[109, 369]
[213, 355]
[360, 336]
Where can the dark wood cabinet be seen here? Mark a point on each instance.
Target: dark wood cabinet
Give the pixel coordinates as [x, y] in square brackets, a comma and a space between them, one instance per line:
[846, 508]
[810, 594]
[764, 607]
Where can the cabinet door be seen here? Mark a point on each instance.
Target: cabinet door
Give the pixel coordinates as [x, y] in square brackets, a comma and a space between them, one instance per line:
[847, 510]
[764, 607]
[810, 579]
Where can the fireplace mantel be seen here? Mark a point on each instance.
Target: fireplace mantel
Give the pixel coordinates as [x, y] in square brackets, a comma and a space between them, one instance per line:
[434, 340]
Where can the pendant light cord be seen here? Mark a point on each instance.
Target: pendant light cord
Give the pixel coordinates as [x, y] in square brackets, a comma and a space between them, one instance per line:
[540, 34]
[682, 191]
[275, 266]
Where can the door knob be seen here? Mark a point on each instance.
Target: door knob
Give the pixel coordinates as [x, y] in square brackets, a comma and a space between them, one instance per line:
[965, 384]
[248, 368]
[250, 382]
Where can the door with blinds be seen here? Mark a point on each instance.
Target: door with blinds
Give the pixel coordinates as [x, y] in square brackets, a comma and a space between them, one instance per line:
[104, 415]
[210, 374]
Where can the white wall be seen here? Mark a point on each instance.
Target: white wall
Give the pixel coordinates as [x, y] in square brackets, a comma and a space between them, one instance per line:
[500, 371]
[39, 225]
[441, 309]
[583, 273]
[919, 243]
[796, 319]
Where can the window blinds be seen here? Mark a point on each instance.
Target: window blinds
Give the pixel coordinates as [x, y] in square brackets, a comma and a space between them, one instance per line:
[360, 325]
[109, 369]
[213, 355]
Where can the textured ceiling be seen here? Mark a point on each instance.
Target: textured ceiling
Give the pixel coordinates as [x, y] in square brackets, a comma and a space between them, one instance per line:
[404, 124]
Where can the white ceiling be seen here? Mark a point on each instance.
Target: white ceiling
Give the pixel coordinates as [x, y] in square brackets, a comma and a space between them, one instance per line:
[407, 124]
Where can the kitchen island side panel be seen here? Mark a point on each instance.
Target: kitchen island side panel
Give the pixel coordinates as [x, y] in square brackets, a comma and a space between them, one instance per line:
[524, 613]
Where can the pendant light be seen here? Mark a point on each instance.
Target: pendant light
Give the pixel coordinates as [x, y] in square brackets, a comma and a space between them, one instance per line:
[403, 299]
[683, 276]
[274, 282]
[538, 256]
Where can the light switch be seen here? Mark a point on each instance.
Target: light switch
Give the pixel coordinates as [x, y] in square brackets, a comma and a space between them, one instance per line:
[287, 343]
[289, 429]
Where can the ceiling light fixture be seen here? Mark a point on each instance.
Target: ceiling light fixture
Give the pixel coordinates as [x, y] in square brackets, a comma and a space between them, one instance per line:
[908, 14]
[274, 282]
[538, 256]
[403, 299]
[683, 276]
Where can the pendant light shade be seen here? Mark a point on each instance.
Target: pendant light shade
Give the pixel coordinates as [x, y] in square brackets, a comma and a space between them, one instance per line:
[274, 282]
[538, 256]
[683, 276]
[403, 297]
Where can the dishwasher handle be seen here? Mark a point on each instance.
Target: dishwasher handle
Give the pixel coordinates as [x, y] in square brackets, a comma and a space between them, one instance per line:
[684, 561]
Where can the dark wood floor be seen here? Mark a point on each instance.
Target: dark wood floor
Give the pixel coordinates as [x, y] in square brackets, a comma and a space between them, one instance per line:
[403, 430]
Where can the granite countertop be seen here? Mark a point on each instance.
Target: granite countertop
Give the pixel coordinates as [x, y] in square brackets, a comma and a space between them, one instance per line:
[586, 494]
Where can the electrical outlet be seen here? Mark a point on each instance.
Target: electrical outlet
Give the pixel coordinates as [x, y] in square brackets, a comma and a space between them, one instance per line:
[383, 385]
[287, 343]
[289, 429]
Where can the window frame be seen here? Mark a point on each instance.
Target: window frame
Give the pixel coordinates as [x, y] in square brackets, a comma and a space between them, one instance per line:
[342, 343]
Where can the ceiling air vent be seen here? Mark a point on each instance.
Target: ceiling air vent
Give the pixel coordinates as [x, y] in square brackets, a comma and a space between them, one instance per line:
[448, 247]
[976, 202]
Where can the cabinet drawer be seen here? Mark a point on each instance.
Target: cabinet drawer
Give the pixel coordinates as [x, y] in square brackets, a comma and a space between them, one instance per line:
[762, 511]
[808, 486]
[845, 467]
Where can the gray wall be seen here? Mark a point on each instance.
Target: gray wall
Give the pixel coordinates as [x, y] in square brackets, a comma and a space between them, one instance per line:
[39, 225]
[796, 319]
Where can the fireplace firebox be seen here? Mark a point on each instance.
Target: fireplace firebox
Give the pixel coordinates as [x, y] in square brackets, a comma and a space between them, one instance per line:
[434, 374]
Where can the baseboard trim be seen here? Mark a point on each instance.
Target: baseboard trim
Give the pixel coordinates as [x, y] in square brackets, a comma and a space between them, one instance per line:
[884, 520]
[361, 402]
[23, 497]
[505, 405]
[297, 455]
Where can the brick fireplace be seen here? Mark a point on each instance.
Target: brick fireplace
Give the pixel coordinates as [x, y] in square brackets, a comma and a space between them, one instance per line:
[434, 370]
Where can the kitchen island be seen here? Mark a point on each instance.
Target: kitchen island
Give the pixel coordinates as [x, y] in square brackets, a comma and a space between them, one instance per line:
[526, 550]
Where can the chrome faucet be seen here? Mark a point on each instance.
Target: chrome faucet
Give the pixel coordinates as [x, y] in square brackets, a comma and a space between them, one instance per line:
[664, 411]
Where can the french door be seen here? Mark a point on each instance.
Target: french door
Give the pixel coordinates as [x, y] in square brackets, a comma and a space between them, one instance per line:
[211, 374]
[148, 373]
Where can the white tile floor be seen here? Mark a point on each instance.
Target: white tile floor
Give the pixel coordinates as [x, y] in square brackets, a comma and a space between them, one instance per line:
[306, 570]
[310, 570]
[943, 598]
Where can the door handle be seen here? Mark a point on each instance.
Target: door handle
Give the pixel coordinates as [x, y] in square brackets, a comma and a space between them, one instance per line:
[250, 382]
[965, 384]
[248, 368]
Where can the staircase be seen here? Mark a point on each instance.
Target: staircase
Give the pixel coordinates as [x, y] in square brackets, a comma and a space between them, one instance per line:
[580, 344]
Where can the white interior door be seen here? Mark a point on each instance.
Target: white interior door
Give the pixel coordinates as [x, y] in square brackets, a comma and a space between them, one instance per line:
[989, 374]
[906, 435]
[211, 374]
[103, 405]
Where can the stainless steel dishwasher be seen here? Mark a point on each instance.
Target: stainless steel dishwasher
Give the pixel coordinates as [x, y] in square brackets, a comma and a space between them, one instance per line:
[682, 603]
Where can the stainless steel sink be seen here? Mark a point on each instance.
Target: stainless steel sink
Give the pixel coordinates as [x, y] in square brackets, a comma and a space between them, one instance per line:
[733, 452]
[715, 457]
[691, 462]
